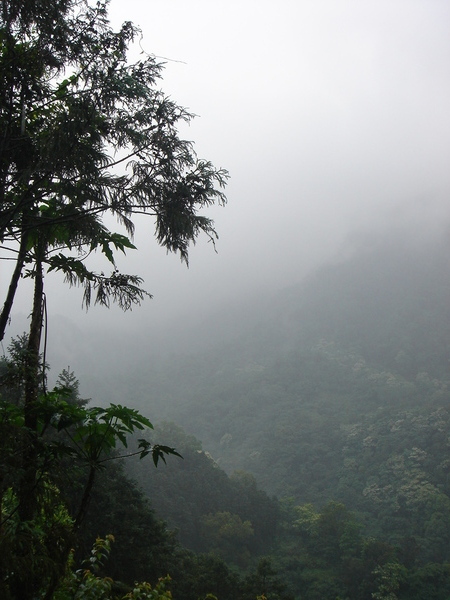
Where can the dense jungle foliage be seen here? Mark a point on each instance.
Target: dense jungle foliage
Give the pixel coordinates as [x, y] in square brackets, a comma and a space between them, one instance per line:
[338, 394]
[324, 473]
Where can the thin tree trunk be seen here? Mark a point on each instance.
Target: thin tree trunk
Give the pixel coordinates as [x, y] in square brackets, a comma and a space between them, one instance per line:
[27, 495]
[6, 312]
[85, 499]
[26, 587]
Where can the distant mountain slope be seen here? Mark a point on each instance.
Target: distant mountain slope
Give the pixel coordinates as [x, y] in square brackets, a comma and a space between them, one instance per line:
[390, 302]
[360, 342]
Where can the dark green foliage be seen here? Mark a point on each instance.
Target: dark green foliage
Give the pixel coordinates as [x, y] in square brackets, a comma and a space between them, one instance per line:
[86, 133]
[68, 381]
[431, 581]
[143, 547]
[195, 493]
[265, 581]
[71, 445]
[89, 582]
[324, 553]
[195, 576]
[227, 536]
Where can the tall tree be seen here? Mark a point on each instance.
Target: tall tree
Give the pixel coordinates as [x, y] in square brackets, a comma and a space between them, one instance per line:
[85, 134]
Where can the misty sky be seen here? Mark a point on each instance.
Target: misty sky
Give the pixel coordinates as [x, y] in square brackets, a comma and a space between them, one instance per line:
[331, 116]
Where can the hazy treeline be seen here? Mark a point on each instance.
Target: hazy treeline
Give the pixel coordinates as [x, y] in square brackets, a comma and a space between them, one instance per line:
[322, 470]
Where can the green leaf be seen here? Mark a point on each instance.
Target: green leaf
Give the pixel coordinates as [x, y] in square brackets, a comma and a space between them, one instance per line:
[159, 452]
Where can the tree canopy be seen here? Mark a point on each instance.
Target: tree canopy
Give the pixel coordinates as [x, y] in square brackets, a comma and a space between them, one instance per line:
[86, 133]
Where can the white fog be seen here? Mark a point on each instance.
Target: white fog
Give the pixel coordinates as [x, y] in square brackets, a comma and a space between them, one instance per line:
[332, 119]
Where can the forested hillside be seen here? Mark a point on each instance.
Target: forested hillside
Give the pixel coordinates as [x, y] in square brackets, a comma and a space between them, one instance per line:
[339, 391]
[315, 444]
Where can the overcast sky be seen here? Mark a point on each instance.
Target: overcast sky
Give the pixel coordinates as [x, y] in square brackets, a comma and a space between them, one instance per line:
[331, 116]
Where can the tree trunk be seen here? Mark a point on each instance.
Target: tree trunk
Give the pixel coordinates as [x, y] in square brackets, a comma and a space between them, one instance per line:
[27, 492]
[6, 312]
[26, 585]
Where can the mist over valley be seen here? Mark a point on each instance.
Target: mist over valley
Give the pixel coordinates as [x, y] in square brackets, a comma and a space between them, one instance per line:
[268, 417]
